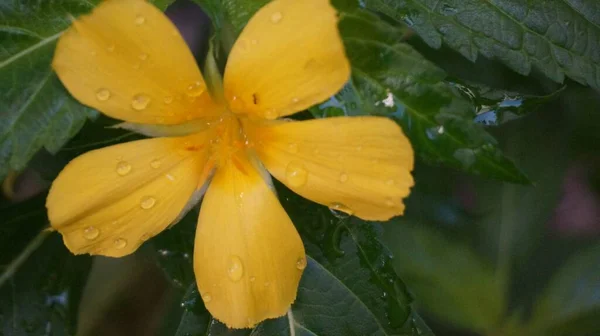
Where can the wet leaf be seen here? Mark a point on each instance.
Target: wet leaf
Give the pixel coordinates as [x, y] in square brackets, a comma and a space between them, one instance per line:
[37, 112]
[556, 38]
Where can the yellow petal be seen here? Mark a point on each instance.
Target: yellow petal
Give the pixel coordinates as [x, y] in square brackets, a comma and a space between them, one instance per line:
[127, 60]
[109, 201]
[358, 165]
[248, 257]
[288, 58]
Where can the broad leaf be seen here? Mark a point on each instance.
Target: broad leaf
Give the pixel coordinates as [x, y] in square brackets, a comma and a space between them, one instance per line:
[570, 305]
[40, 280]
[36, 111]
[448, 279]
[556, 38]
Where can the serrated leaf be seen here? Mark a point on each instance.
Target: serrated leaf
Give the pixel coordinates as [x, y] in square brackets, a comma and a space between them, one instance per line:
[570, 305]
[448, 279]
[556, 38]
[395, 80]
[36, 111]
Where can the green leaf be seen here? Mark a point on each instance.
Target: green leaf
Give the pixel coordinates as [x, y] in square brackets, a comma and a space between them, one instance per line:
[40, 280]
[348, 265]
[394, 80]
[570, 305]
[556, 38]
[447, 278]
[37, 112]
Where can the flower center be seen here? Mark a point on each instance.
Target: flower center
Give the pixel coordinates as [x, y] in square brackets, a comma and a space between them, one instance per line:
[227, 139]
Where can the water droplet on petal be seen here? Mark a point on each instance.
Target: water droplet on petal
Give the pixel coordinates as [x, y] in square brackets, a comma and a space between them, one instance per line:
[147, 202]
[140, 102]
[145, 237]
[359, 148]
[119, 243]
[271, 114]
[296, 174]
[195, 89]
[170, 177]
[267, 283]
[139, 20]
[389, 202]
[168, 99]
[102, 95]
[123, 168]
[235, 269]
[295, 100]
[155, 163]
[91, 233]
[336, 206]
[343, 177]
[293, 148]
[206, 297]
[143, 57]
[276, 17]
[93, 53]
[254, 42]
[252, 279]
[389, 182]
[110, 48]
[301, 263]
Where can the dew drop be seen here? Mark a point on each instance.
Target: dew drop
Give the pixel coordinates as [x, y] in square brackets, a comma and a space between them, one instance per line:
[271, 114]
[170, 177]
[139, 20]
[389, 202]
[296, 174]
[136, 66]
[195, 89]
[168, 99]
[91, 233]
[140, 102]
[293, 148]
[343, 177]
[123, 168]
[206, 297]
[102, 94]
[252, 279]
[143, 57]
[359, 148]
[147, 202]
[119, 243]
[267, 283]
[276, 17]
[235, 269]
[145, 237]
[110, 48]
[301, 263]
[93, 53]
[254, 42]
[155, 163]
[295, 100]
[390, 182]
[336, 206]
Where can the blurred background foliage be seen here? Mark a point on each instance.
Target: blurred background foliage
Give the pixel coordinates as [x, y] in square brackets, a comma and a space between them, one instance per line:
[501, 233]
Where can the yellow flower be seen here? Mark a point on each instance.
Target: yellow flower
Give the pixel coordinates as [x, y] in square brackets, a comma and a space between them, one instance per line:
[127, 60]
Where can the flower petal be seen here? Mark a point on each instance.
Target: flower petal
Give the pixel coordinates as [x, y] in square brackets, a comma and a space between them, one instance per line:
[127, 60]
[248, 257]
[109, 201]
[288, 58]
[358, 165]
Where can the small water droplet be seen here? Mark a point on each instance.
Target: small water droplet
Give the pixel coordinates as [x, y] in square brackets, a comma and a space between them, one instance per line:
[252, 278]
[102, 94]
[170, 177]
[276, 17]
[195, 89]
[147, 202]
[235, 269]
[139, 20]
[295, 100]
[267, 283]
[343, 177]
[123, 168]
[389, 202]
[168, 99]
[359, 148]
[110, 48]
[155, 163]
[389, 182]
[91, 233]
[136, 66]
[271, 114]
[206, 297]
[336, 206]
[254, 42]
[293, 148]
[143, 57]
[145, 237]
[301, 263]
[119, 243]
[296, 174]
[140, 102]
